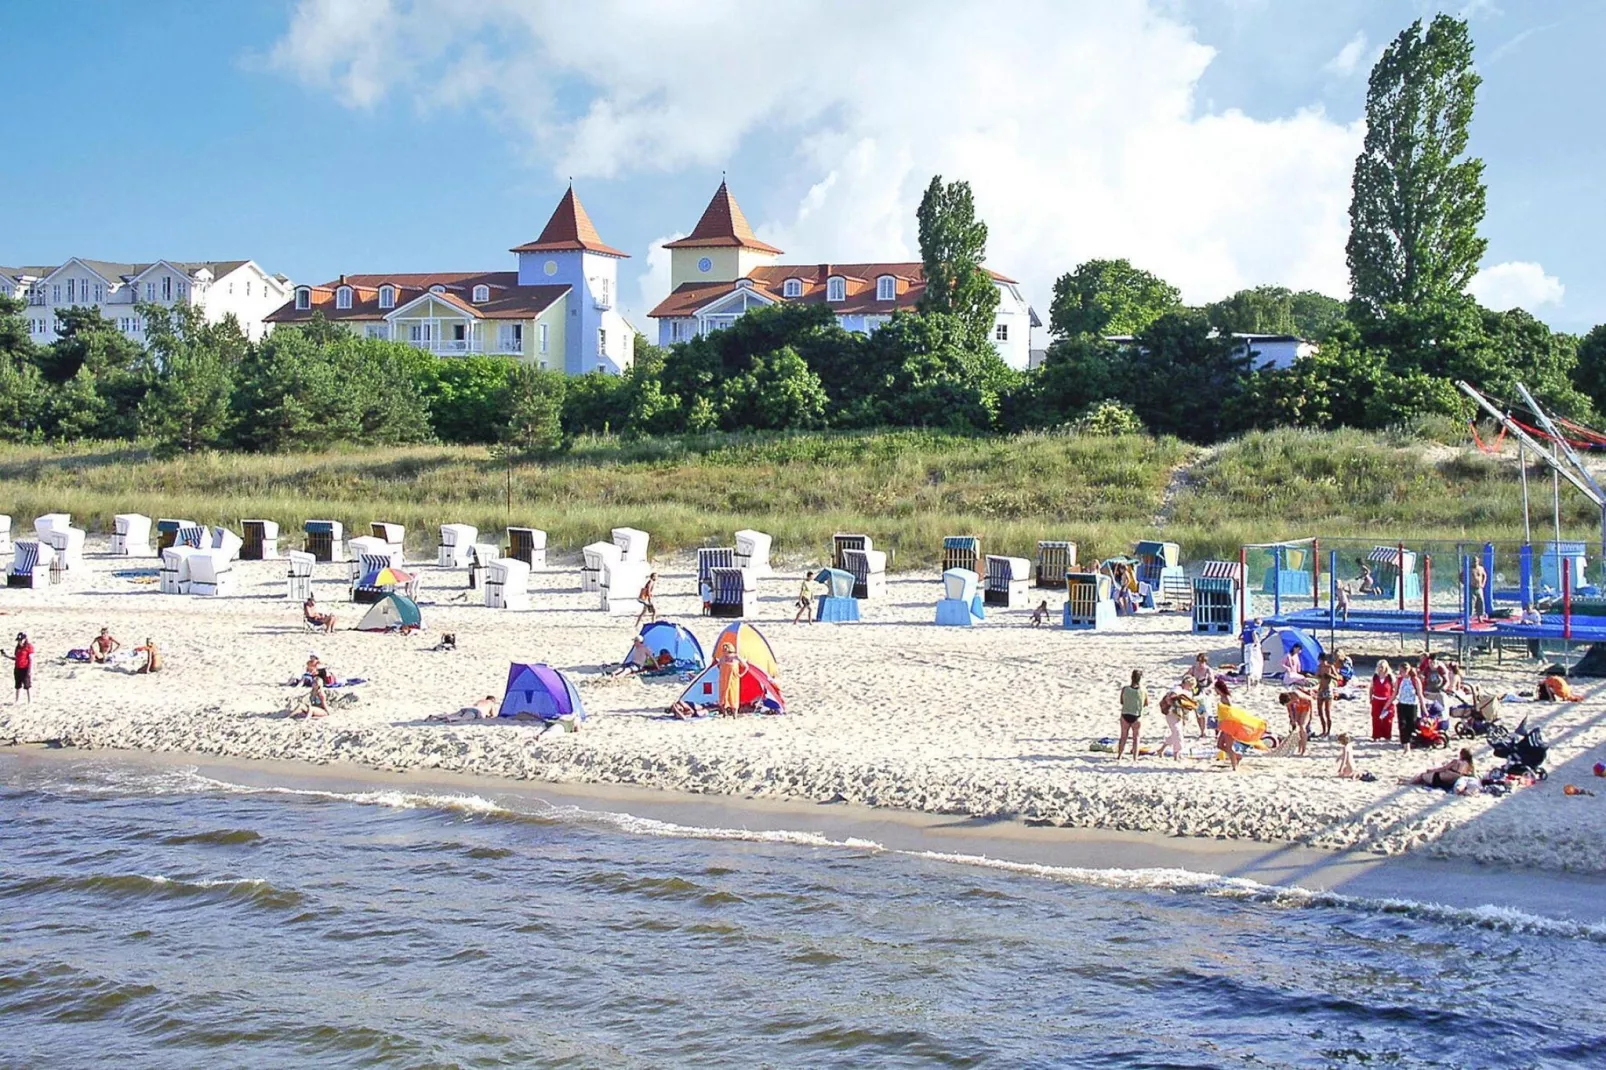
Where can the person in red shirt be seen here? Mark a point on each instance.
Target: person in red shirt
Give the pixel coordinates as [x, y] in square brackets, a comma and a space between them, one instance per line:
[23, 672]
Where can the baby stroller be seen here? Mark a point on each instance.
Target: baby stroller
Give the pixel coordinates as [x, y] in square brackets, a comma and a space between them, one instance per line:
[1480, 717]
[1429, 734]
[1523, 748]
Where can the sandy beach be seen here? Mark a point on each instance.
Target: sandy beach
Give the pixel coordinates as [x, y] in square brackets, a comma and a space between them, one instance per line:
[990, 722]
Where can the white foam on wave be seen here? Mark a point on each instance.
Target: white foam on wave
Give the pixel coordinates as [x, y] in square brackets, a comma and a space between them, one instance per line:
[204, 882]
[1155, 879]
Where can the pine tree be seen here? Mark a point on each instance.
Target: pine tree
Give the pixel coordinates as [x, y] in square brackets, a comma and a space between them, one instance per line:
[953, 244]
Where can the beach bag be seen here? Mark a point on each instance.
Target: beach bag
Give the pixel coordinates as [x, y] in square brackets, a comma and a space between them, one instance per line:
[1467, 785]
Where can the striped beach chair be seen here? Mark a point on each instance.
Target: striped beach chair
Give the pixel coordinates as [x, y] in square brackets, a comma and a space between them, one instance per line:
[733, 592]
[711, 557]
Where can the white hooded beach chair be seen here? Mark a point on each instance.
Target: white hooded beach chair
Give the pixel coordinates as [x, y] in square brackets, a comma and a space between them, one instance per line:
[479, 564]
[394, 535]
[131, 535]
[842, 542]
[621, 583]
[261, 541]
[300, 575]
[211, 572]
[44, 525]
[227, 541]
[753, 552]
[30, 564]
[734, 592]
[369, 546]
[711, 557]
[456, 545]
[68, 542]
[869, 569]
[325, 539]
[527, 545]
[175, 574]
[1007, 581]
[597, 557]
[507, 584]
[167, 531]
[632, 543]
[1055, 557]
[5, 534]
[364, 565]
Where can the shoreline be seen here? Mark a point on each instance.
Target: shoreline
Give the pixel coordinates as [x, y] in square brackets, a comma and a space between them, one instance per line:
[1073, 855]
[991, 725]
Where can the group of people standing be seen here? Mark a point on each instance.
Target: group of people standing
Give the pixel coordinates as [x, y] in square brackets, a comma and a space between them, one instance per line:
[1402, 699]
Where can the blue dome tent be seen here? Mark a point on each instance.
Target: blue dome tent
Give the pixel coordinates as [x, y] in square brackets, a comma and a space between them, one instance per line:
[1277, 645]
[540, 693]
[664, 638]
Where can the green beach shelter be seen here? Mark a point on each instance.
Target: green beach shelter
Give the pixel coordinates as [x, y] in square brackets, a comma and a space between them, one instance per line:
[391, 613]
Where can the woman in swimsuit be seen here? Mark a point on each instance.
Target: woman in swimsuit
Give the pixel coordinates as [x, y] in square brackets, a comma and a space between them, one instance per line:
[1445, 776]
[1134, 700]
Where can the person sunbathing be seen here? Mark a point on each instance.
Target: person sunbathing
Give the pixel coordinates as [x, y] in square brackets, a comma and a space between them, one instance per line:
[103, 646]
[309, 613]
[153, 657]
[483, 710]
[640, 659]
[1444, 776]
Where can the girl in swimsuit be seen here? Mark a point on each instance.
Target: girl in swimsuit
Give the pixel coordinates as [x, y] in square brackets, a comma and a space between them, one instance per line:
[1134, 700]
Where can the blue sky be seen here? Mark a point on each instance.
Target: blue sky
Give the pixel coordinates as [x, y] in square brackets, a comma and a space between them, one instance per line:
[1209, 142]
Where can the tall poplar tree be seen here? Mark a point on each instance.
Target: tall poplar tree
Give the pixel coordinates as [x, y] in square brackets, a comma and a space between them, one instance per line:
[1418, 197]
[953, 244]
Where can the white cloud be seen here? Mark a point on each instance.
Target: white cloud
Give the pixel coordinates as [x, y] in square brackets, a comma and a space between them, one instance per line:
[654, 282]
[1516, 284]
[1349, 57]
[1076, 124]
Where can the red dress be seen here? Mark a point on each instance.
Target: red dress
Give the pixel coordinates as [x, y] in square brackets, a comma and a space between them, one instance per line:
[1382, 694]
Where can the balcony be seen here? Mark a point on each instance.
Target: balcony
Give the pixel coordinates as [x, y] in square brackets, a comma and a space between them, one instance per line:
[457, 347]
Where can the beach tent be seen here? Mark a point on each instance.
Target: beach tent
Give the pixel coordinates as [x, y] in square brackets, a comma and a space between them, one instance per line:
[751, 647]
[540, 692]
[1277, 645]
[664, 637]
[758, 690]
[390, 613]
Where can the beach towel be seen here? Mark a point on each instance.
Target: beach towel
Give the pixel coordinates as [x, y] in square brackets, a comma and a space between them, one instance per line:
[78, 655]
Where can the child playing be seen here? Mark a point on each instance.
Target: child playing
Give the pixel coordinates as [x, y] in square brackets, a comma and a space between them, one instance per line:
[1346, 757]
[1040, 614]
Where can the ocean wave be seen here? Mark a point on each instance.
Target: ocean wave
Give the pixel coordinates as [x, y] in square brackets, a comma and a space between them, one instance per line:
[253, 890]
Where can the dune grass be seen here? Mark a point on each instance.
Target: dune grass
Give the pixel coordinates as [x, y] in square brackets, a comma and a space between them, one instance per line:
[906, 489]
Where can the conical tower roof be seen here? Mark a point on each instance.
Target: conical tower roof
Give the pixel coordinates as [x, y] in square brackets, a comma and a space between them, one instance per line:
[722, 225]
[569, 230]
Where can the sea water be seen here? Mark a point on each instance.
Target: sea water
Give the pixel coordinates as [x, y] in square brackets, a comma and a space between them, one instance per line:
[159, 917]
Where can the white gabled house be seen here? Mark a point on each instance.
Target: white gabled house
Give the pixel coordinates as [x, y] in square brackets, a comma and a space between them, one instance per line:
[722, 270]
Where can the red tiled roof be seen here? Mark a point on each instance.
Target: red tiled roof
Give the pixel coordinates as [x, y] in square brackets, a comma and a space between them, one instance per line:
[508, 299]
[722, 225]
[569, 230]
[860, 282]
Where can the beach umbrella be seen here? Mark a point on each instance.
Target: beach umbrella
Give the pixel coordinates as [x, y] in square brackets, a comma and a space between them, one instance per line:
[386, 577]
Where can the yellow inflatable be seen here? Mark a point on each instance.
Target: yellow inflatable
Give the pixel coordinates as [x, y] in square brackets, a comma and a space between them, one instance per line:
[1241, 725]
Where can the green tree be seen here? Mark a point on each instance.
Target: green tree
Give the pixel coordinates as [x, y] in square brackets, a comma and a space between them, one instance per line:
[464, 395]
[1186, 380]
[1109, 297]
[1316, 316]
[596, 402]
[534, 425]
[1417, 197]
[953, 246]
[1108, 418]
[1589, 373]
[778, 392]
[187, 406]
[75, 409]
[20, 385]
[1260, 310]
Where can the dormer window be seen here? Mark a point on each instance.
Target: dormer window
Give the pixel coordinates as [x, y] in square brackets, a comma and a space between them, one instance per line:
[836, 288]
[482, 294]
[303, 298]
[792, 288]
[343, 297]
[437, 289]
[886, 288]
[387, 297]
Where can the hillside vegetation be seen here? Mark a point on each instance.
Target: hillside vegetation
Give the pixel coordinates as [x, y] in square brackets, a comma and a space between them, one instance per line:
[906, 489]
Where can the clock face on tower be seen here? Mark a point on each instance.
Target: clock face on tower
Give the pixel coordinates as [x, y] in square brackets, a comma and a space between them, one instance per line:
[550, 267]
[705, 264]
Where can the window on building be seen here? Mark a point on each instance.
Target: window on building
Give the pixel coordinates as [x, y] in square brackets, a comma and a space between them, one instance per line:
[1001, 332]
[459, 332]
[601, 367]
[55, 293]
[541, 364]
[604, 293]
[482, 293]
[231, 289]
[181, 289]
[437, 289]
[150, 291]
[248, 287]
[419, 332]
[792, 288]
[387, 297]
[836, 288]
[100, 292]
[886, 288]
[71, 298]
[543, 338]
[376, 330]
[602, 342]
[343, 297]
[510, 336]
[676, 331]
[303, 298]
[167, 287]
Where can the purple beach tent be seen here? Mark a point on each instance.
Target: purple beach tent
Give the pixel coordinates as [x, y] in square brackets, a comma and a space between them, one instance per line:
[540, 692]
